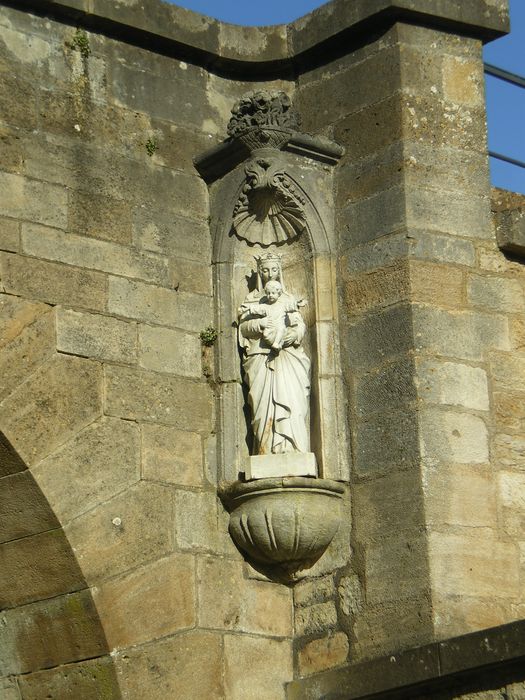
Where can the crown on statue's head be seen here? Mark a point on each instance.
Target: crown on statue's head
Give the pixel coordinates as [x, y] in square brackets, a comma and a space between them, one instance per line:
[268, 258]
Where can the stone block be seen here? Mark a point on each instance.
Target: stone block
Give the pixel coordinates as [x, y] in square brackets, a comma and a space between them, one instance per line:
[9, 689]
[316, 618]
[460, 495]
[196, 523]
[16, 314]
[52, 282]
[129, 530]
[167, 307]
[83, 679]
[453, 384]
[51, 632]
[509, 411]
[24, 508]
[172, 456]
[391, 503]
[463, 81]
[9, 235]
[517, 331]
[100, 461]
[463, 335]
[377, 288]
[59, 399]
[379, 390]
[460, 215]
[189, 276]
[439, 285]
[509, 451]
[96, 216]
[270, 664]
[227, 601]
[31, 200]
[318, 590]
[372, 218]
[92, 253]
[386, 441]
[20, 106]
[508, 370]
[187, 665]
[429, 245]
[453, 437]
[10, 460]
[24, 354]
[136, 394]
[323, 654]
[512, 502]
[473, 566]
[497, 293]
[96, 336]
[396, 569]
[457, 615]
[42, 565]
[169, 350]
[169, 233]
[154, 601]
[291, 464]
[375, 338]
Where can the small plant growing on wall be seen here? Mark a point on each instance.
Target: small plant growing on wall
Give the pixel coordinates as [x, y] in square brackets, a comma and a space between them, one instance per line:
[80, 43]
[208, 336]
[151, 146]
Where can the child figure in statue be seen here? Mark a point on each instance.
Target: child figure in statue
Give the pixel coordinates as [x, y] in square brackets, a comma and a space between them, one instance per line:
[274, 314]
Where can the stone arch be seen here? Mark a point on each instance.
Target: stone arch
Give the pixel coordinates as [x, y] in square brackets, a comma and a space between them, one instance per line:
[51, 638]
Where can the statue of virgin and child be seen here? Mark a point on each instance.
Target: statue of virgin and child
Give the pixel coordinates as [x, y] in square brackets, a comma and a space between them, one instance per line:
[276, 368]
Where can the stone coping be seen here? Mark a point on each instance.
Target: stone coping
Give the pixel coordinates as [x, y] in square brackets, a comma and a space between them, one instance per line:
[509, 218]
[498, 651]
[170, 29]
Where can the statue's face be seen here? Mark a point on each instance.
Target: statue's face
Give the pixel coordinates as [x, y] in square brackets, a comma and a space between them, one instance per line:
[273, 292]
[269, 271]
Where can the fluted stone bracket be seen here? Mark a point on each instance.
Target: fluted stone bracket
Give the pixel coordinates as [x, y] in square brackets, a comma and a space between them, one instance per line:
[284, 523]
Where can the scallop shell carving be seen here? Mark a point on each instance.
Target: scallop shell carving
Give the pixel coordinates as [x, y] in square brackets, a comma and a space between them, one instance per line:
[269, 209]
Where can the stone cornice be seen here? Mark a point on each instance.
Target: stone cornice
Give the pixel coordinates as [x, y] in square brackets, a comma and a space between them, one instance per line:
[277, 49]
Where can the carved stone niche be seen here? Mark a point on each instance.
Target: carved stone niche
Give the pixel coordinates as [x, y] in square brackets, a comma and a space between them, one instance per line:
[283, 451]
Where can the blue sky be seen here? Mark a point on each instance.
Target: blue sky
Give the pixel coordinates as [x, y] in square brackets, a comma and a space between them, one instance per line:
[505, 102]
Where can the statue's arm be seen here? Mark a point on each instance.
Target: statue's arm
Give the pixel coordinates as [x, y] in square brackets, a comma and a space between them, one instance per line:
[251, 329]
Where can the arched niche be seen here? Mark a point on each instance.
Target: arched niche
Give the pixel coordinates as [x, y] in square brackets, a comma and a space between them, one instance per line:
[309, 271]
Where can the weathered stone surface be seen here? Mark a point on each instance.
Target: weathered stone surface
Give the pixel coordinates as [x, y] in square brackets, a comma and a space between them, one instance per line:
[51, 244]
[450, 436]
[508, 370]
[166, 307]
[384, 389]
[189, 276]
[455, 615]
[452, 383]
[509, 410]
[464, 335]
[439, 285]
[269, 662]
[126, 532]
[169, 350]
[460, 495]
[473, 566]
[380, 287]
[377, 337]
[96, 336]
[42, 565]
[148, 671]
[25, 353]
[51, 632]
[322, 654]
[24, 510]
[90, 214]
[318, 590]
[60, 398]
[31, 200]
[149, 603]
[512, 499]
[9, 689]
[498, 293]
[227, 601]
[509, 451]
[9, 235]
[315, 619]
[10, 460]
[16, 314]
[85, 679]
[52, 282]
[170, 234]
[101, 461]
[147, 396]
[196, 524]
[171, 455]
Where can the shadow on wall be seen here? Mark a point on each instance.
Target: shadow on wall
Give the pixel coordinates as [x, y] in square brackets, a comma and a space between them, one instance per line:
[51, 639]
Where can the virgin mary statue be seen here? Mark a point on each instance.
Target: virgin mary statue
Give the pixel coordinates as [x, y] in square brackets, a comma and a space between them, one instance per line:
[275, 366]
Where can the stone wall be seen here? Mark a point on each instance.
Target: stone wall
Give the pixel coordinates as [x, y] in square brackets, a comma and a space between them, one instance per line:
[110, 402]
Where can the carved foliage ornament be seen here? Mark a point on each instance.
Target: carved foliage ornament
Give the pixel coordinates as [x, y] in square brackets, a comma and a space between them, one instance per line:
[269, 209]
[262, 109]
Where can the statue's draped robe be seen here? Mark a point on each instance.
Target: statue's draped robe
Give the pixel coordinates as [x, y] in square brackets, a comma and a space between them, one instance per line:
[278, 388]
